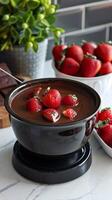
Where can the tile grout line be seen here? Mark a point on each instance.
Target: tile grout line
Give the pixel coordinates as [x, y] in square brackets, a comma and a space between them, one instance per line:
[107, 33]
[83, 18]
[86, 30]
[83, 5]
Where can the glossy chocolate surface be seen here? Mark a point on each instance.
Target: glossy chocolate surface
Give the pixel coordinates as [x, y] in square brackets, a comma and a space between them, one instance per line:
[87, 101]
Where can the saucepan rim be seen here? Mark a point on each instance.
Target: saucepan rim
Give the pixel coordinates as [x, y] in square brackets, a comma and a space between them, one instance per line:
[68, 124]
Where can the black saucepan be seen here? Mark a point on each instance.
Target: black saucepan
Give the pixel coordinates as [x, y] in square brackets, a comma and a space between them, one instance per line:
[53, 139]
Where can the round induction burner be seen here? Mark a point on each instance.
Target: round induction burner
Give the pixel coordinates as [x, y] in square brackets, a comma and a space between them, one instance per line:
[51, 169]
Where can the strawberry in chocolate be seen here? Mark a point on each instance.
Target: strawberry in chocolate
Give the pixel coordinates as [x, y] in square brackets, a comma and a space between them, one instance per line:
[33, 105]
[70, 100]
[52, 98]
[51, 114]
[69, 113]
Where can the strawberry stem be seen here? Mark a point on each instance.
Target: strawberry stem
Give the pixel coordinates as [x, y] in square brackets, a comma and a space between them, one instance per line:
[46, 91]
[109, 42]
[107, 108]
[100, 124]
[55, 116]
[83, 41]
[88, 55]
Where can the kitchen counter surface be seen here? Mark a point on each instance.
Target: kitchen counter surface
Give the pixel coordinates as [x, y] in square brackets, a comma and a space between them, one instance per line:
[95, 184]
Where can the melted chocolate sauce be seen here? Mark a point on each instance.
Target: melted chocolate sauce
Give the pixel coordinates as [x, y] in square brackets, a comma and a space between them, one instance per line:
[86, 107]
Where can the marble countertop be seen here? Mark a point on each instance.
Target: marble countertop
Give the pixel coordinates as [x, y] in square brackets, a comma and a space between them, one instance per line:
[95, 184]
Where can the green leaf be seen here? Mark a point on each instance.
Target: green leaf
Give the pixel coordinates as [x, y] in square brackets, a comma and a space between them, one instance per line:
[45, 22]
[40, 39]
[27, 33]
[7, 45]
[14, 33]
[25, 36]
[4, 46]
[35, 46]
[50, 19]
[12, 20]
[21, 39]
[4, 1]
[58, 29]
[45, 2]
[26, 15]
[1, 11]
[13, 3]
[31, 21]
[27, 21]
[33, 4]
[4, 28]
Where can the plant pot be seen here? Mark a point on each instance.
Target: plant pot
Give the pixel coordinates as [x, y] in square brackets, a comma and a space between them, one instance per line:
[26, 63]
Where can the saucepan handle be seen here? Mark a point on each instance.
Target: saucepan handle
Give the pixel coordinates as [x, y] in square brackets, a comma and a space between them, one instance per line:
[19, 81]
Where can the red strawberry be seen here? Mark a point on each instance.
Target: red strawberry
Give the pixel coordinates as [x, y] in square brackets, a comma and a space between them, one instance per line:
[89, 47]
[69, 66]
[90, 66]
[52, 98]
[75, 52]
[33, 105]
[51, 114]
[105, 114]
[57, 52]
[70, 113]
[104, 52]
[70, 100]
[106, 68]
[105, 133]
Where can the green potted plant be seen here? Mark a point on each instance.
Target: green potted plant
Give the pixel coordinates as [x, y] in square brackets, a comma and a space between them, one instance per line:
[25, 26]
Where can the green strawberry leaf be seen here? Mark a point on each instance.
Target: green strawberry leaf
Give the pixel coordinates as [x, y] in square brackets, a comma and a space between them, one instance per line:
[100, 124]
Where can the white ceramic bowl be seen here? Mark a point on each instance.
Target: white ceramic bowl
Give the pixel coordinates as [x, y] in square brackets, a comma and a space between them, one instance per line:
[102, 84]
[106, 148]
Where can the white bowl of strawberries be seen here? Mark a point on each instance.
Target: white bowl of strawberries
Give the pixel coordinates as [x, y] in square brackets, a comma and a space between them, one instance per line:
[89, 63]
[103, 130]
